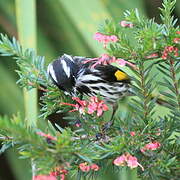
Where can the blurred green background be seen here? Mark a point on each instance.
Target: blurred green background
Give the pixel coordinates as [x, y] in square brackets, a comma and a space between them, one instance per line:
[63, 26]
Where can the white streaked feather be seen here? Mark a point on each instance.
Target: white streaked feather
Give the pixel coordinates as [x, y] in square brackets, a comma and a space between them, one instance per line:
[69, 57]
[65, 68]
[88, 77]
[50, 71]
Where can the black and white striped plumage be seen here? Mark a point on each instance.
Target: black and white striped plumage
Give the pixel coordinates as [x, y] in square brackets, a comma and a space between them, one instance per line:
[72, 75]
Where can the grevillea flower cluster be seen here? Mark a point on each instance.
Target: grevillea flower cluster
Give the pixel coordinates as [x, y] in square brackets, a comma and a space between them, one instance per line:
[169, 50]
[91, 106]
[127, 160]
[105, 39]
[105, 59]
[151, 146]
[59, 172]
[86, 168]
[96, 105]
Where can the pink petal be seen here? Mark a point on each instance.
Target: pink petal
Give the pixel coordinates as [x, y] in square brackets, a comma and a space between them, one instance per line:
[99, 112]
[84, 167]
[44, 177]
[120, 161]
[94, 167]
[132, 161]
[47, 136]
[132, 133]
[114, 38]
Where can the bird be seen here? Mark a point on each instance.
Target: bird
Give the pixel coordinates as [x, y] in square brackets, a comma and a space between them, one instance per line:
[77, 75]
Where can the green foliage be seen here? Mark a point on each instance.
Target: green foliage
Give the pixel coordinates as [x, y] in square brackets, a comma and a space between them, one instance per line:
[89, 143]
[32, 71]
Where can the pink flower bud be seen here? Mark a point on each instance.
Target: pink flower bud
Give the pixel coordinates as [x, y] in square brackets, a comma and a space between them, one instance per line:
[114, 38]
[132, 133]
[84, 167]
[126, 24]
[120, 161]
[48, 136]
[170, 48]
[95, 167]
[151, 146]
[176, 40]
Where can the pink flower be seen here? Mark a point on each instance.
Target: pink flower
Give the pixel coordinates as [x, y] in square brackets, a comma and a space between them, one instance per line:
[78, 124]
[84, 167]
[81, 102]
[132, 133]
[94, 167]
[114, 38]
[63, 171]
[62, 176]
[127, 159]
[96, 105]
[169, 49]
[132, 161]
[154, 55]
[123, 62]
[105, 59]
[126, 24]
[142, 150]
[92, 106]
[79, 106]
[120, 161]
[176, 40]
[152, 146]
[44, 177]
[177, 32]
[48, 136]
[105, 38]
[59, 172]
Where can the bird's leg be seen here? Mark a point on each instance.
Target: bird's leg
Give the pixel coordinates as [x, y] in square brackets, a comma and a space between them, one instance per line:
[111, 122]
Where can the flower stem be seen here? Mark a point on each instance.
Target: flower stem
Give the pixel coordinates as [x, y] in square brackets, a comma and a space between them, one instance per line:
[26, 25]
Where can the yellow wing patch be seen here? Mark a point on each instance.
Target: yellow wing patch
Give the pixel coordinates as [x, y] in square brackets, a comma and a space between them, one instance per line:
[121, 75]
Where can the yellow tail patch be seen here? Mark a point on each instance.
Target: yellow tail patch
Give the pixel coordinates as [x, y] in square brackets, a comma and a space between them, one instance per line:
[121, 75]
